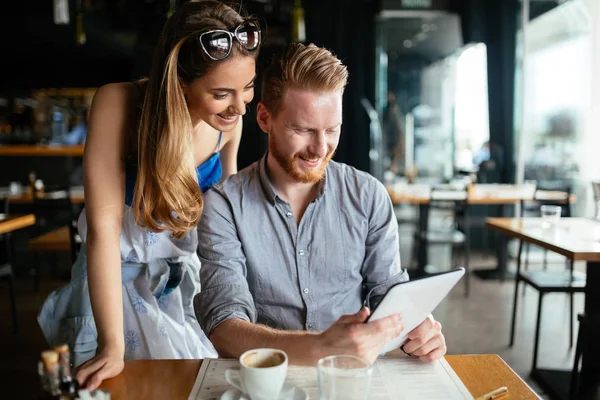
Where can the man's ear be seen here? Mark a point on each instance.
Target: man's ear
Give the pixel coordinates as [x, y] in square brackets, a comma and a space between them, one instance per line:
[263, 117]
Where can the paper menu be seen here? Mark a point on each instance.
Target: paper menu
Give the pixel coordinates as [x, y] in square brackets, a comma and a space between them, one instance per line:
[394, 378]
[409, 378]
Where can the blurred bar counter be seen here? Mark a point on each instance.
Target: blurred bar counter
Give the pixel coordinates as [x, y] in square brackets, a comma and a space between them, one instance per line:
[41, 150]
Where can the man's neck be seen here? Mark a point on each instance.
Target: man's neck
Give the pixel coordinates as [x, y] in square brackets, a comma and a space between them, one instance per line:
[286, 187]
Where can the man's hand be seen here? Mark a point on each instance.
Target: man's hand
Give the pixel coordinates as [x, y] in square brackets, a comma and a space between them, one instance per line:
[426, 341]
[350, 335]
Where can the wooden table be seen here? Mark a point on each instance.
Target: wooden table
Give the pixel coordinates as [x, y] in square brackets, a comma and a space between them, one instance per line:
[577, 239]
[173, 379]
[12, 222]
[41, 150]
[483, 194]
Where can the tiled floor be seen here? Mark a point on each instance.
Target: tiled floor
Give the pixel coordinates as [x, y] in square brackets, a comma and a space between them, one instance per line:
[478, 324]
[481, 324]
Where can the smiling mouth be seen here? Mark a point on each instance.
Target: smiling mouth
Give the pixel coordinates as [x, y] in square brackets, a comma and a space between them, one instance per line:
[311, 162]
[228, 117]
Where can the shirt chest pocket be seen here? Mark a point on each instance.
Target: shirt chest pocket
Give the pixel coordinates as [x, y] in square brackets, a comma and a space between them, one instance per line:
[335, 259]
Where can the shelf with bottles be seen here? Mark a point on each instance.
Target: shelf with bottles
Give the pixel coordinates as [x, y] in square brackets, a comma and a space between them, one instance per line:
[50, 117]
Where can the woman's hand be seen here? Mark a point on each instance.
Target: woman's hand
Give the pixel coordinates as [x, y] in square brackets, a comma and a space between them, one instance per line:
[106, 364]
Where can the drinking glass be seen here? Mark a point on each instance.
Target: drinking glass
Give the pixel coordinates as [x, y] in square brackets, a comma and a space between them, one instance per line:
[550, 215]
[344, 377]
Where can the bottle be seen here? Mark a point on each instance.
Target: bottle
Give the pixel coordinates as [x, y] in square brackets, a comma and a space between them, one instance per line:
[32, 178]
[48, 371]
[59, 128]
[69, 387]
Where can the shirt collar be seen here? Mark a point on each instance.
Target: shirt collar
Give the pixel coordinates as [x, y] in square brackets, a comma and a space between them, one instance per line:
[269, 190]
[265, 182]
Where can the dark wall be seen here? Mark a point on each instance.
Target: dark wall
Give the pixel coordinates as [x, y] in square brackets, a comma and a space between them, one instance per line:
[348, 29]
[38, 53]
[120, 40]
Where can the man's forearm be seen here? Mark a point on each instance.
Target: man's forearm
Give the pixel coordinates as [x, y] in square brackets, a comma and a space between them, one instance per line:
[235, 336]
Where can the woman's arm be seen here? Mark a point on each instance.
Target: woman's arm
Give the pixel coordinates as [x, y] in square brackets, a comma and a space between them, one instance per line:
[104, 183]
[230, 150]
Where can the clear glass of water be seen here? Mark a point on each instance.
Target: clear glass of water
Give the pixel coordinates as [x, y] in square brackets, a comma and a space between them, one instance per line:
[344, 377]
[550, 215]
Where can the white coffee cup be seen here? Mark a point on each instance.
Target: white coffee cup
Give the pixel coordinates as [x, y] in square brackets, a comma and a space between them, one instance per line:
[261, 374]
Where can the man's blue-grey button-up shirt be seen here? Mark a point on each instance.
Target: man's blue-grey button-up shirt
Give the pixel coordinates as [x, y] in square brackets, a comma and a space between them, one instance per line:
[259, 265]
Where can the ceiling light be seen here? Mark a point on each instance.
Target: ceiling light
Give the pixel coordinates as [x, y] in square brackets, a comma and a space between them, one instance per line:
[421, 36]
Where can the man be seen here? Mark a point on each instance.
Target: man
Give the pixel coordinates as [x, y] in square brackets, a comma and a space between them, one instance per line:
[293, 246]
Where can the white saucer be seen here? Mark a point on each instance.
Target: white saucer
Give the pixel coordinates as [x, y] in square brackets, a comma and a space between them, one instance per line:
[288, 392]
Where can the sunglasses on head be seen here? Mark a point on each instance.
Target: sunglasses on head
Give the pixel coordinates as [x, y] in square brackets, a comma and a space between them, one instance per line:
[217, 43]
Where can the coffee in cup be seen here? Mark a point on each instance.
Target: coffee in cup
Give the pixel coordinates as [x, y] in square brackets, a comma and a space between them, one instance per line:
[261, 359]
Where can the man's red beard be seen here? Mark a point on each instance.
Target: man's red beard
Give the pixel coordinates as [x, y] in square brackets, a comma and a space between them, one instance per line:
[290, 164]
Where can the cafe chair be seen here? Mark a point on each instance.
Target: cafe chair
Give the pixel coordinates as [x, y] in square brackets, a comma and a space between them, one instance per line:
[545, 282]
[57, 228]
[532, 209]
[452, 202]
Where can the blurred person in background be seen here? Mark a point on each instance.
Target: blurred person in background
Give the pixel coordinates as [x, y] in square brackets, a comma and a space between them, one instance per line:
[393, 128]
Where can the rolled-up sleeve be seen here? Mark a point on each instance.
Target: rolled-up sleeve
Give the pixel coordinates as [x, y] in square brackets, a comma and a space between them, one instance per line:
[381, 266]
[224, 290]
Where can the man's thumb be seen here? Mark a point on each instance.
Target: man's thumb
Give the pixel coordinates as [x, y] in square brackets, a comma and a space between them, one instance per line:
[362, 315]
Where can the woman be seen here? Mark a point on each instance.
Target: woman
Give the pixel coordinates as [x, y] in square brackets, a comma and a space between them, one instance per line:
[152, 148]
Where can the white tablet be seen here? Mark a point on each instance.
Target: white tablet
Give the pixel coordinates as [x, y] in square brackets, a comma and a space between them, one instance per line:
[415, 300]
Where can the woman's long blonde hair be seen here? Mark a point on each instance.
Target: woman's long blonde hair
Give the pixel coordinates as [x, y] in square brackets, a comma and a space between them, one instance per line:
[166, 194]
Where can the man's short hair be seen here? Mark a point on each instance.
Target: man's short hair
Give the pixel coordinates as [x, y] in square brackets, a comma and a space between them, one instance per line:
[301, 67]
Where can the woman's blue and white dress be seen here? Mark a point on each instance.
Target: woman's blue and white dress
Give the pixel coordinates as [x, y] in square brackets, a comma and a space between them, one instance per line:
[160, 279]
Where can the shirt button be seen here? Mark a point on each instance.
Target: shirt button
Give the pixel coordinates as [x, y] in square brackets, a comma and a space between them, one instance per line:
[305, 290]
[289, 214]
[301, 252]
[310, 326]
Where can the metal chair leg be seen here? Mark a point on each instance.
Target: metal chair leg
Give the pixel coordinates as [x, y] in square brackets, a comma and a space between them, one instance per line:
[467, 251]
[36, 271]
[578, 353]
[527, 246]
[537, 331]
[545, 260]
[13, 303]
[571, 321]
[516, 297]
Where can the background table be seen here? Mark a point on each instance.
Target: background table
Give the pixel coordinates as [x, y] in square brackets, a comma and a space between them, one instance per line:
[12, 222]
[41, 150]
[173, 379]
[577, 239]
[504, 195]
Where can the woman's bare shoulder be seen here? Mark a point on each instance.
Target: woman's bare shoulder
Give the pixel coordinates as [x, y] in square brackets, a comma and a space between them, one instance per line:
[123, 93]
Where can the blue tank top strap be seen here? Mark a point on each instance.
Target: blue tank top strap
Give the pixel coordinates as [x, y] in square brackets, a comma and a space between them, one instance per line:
[219, 144]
